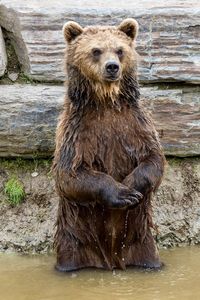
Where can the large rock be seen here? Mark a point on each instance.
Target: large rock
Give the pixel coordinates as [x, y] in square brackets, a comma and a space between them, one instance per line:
[29, 227]
[176, 113]
[3, 55]
[168, 43]
[28, 118]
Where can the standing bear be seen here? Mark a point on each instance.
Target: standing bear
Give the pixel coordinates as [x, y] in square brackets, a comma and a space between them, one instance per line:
[108, 160]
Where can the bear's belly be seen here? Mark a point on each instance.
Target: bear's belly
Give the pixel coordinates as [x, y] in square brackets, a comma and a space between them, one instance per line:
[110, 142]
[115, 157]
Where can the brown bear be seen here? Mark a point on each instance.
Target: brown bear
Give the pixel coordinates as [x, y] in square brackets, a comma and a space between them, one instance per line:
[108, 159]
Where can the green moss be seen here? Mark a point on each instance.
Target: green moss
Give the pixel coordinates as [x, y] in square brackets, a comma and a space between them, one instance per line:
[175, 161]
[14, 164]
[24, 79]
[184, 162]
[15, 191]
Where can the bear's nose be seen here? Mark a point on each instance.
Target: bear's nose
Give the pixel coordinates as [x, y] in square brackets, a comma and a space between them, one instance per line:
[112, 67]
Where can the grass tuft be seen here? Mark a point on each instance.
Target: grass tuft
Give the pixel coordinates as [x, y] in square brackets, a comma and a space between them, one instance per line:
[15, 191]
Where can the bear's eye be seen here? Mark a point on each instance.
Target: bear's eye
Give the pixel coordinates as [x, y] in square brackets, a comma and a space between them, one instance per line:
[120, 52]
[96, 52]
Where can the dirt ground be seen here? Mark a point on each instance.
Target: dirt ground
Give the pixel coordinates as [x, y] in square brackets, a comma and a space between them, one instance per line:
[29, 226]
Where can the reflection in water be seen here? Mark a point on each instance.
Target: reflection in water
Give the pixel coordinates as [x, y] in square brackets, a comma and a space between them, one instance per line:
[33, 278]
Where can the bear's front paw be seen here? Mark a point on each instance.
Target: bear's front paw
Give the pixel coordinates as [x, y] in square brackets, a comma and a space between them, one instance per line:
[124, 198]
[131, 198]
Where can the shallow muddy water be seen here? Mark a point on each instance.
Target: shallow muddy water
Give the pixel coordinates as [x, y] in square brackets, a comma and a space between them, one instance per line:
[33, 278]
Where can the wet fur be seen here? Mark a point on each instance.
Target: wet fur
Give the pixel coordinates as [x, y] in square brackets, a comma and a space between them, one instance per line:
[104, 139]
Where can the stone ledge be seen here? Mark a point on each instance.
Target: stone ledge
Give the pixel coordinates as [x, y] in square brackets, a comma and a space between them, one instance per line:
[168, 43]
[28, 118]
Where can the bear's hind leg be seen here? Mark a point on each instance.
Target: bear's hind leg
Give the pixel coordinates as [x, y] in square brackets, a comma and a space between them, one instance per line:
[81, 257]
[144, 254]
[64, 243]
[65, 261]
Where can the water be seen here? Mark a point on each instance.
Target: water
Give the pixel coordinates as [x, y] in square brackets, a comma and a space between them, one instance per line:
[33, 278]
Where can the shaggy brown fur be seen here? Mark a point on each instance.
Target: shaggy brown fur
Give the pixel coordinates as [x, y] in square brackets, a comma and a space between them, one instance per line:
[108, 159]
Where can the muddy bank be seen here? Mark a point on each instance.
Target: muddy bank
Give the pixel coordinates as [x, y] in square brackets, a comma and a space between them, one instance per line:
[29, 226]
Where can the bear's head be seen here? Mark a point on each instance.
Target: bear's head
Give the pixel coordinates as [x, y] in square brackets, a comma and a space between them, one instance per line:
[104, 55]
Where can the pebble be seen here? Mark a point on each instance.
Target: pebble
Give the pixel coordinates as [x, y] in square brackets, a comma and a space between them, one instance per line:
[34, 174]
[13, 76]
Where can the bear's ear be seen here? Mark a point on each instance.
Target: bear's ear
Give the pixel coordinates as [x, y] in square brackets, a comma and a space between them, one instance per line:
[129, 27]
[71, 30]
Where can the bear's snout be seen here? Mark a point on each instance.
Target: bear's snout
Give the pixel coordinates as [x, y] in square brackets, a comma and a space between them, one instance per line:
[112, 69]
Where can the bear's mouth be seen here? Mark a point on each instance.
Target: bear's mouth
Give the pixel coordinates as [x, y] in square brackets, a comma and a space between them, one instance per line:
[111, 78]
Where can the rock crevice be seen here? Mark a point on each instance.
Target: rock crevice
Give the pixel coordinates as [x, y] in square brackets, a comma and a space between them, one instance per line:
[3, 55]
[9, 20]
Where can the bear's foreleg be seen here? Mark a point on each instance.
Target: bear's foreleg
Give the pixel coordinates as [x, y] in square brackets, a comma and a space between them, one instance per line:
[147, 176]
[93, 186]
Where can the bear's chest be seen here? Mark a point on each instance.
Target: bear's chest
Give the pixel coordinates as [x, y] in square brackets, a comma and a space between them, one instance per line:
[110, 142]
